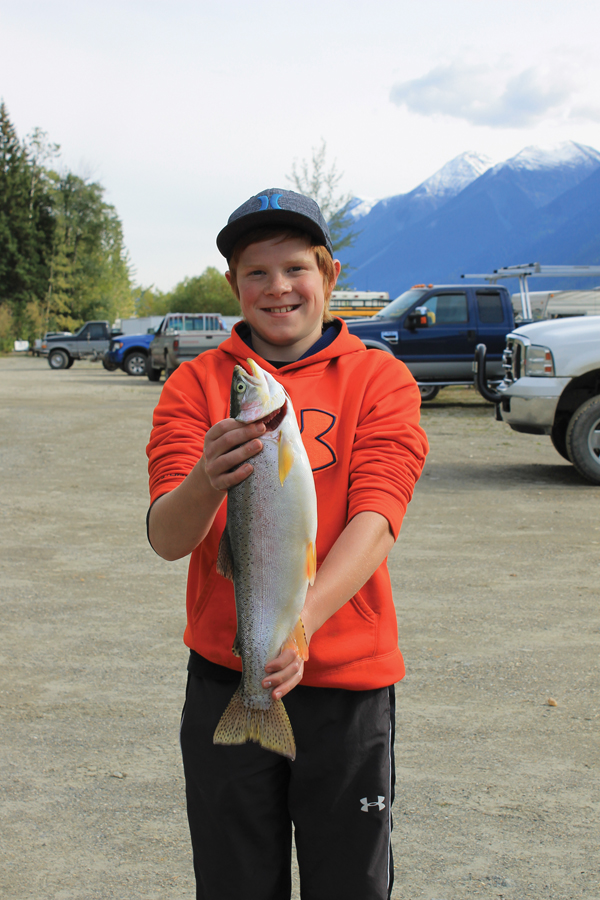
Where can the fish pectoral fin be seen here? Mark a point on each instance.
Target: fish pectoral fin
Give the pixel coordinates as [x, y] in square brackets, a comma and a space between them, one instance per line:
[311, 562]
[270, 728]
[297, 640]
[225, 557]
[237, 647]
[285, 456]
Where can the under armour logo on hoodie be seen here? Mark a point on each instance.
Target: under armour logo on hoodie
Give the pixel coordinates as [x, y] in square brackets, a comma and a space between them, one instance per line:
[378, 803]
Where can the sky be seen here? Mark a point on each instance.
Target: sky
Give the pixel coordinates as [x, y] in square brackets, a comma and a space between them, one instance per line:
[183, 110]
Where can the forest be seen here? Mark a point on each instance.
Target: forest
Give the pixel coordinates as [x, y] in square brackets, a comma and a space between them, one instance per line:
[63, 259]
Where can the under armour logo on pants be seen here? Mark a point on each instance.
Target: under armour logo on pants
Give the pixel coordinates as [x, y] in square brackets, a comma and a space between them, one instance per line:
[378, 803]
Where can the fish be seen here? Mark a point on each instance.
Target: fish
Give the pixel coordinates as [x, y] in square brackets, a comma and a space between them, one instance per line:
[268, 550]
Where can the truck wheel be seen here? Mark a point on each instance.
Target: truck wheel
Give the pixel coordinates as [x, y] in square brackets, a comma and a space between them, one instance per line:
[428, 392]
[109, 365]
[58, 359]
[135, 363]
[70, 363]
[152, 373]
[583, 439]
[558, 436]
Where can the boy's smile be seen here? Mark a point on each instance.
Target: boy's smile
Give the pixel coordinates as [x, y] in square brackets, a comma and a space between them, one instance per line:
[282, 295]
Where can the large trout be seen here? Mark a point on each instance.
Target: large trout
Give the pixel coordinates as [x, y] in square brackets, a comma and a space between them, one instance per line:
[268, 551]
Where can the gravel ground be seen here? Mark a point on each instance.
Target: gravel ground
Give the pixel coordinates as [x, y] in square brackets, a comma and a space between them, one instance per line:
[496, 583]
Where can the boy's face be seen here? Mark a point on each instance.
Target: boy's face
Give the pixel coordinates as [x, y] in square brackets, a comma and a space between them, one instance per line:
[282, 297]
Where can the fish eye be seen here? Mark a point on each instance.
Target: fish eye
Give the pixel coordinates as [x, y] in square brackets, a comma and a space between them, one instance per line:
[240, 387]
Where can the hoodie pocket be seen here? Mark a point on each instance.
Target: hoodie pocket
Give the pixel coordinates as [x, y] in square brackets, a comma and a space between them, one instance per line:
[349, 635]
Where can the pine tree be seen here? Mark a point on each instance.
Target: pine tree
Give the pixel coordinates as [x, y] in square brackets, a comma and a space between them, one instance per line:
[26, 231]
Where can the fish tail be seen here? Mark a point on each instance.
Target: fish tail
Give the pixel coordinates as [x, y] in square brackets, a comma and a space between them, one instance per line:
[271, 728]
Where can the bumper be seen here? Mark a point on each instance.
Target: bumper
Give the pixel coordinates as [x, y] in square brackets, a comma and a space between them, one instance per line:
[529, 404]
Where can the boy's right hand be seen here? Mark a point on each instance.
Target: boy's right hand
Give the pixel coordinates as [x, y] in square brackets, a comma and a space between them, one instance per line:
[227, 447]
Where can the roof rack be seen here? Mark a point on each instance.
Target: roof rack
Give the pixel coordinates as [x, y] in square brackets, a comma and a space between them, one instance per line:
[536, 270]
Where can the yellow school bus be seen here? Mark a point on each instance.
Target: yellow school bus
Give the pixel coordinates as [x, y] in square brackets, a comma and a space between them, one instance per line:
[357, 303]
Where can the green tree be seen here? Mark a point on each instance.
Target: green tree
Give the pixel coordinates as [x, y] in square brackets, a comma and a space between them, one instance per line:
[90, 277]
[316, 179]
[26, 235]
[209, 292]
[149, 301]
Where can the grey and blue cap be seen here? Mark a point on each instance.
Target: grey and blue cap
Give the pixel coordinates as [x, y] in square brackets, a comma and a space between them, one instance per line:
[274, 207]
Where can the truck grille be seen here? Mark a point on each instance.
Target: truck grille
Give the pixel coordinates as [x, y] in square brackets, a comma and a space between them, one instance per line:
[512, 359]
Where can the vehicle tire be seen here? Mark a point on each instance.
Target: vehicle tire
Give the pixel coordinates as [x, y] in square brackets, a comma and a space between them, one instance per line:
[109, 365]
[70, 363]
[58, 359]
[428, 392]
[558, 436]
[135, 363]
[152, 373]
[583, 439]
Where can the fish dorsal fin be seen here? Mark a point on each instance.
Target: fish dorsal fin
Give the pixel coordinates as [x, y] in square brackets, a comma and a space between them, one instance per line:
[296, 639]
[237, 647]
[285, 456]
[225, 557]
[311, 562]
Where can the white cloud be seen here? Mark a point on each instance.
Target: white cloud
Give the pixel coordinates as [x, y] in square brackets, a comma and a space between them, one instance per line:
[486, 95]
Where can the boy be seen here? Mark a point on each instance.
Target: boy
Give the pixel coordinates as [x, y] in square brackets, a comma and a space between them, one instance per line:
[358, 412]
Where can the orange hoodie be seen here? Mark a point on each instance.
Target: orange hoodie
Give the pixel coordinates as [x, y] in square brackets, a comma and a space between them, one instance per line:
[358, 412]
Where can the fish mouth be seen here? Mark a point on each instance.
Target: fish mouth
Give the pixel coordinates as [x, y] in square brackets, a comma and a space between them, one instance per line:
[274, 419]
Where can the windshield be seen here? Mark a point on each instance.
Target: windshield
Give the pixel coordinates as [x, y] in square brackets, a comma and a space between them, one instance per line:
[398, 307]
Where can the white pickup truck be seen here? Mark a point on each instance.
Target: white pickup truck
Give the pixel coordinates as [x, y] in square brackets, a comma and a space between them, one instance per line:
[181, 337]
[552, 386]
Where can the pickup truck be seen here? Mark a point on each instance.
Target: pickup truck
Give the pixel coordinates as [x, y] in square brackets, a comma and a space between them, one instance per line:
[128, 352]
[38, 342]
[181, 337]
[552, 386]
[90, 342]
[434, 329]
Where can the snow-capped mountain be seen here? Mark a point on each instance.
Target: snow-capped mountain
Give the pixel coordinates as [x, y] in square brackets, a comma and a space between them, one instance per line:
[566, 154]
[361, 206]
[384, 220]
[455, 176]
[474, 216]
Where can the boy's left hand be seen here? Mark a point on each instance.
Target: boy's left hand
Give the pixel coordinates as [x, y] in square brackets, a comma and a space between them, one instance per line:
[283, 673]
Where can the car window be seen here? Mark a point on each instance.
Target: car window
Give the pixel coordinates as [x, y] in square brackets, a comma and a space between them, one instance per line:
[447, 309]
[398, 307]
[489, 308]
[175, 324]
[194, 324]
[97, 332]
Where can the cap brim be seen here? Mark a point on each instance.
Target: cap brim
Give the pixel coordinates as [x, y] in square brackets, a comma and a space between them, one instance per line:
[230, 235]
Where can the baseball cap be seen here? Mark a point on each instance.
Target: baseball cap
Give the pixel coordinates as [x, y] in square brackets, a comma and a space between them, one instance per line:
[274, 206]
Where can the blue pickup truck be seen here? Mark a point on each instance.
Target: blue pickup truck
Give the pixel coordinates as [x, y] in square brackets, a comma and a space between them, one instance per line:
[128, 352]
[435, 329]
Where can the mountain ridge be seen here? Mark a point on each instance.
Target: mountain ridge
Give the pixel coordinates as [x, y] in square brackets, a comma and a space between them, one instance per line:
[496, 216]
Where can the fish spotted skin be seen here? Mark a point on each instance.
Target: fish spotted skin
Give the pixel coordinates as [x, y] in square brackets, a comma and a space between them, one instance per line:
[268, 550]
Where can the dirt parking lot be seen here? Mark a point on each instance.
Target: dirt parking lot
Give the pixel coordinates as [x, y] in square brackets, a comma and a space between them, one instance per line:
[495, 576]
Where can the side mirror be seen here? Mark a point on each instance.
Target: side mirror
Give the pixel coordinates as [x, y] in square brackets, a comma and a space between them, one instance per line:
[417, 318]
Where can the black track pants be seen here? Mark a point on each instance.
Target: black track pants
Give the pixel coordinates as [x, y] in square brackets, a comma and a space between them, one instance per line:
[338, 793]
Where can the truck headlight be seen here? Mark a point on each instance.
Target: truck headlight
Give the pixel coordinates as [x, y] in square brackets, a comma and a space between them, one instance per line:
[538, 361]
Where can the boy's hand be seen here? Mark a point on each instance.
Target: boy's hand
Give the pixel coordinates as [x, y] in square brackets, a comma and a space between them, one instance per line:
[227, 446]
[283, 673]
